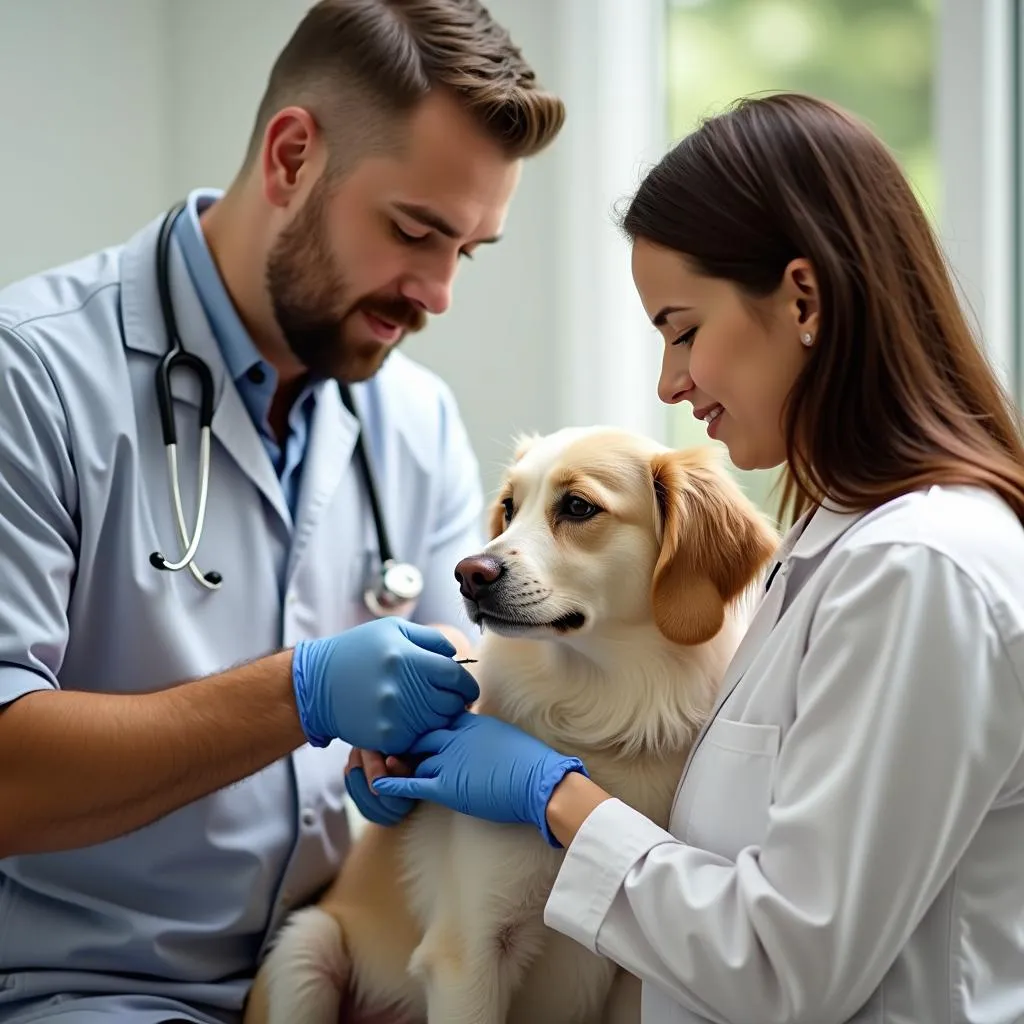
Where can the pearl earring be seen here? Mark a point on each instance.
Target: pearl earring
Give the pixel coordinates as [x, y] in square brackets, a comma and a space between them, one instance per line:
[807, 339]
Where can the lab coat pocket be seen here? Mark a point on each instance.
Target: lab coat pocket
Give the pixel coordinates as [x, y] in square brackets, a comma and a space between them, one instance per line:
[723, 804]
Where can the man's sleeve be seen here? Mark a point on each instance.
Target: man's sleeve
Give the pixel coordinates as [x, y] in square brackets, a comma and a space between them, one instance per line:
[38, 532]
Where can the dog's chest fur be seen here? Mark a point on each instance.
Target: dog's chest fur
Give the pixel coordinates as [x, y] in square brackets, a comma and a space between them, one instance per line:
[476, 885]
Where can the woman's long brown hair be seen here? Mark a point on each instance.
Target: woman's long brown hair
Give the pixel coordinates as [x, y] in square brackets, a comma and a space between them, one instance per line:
[897, 393]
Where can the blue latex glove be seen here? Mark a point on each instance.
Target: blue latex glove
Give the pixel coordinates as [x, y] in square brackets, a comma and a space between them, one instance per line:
[379, 686]
[486, 768]
[383, 810]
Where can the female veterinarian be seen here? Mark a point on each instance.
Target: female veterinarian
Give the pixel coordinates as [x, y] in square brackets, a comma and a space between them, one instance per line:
[846, 842]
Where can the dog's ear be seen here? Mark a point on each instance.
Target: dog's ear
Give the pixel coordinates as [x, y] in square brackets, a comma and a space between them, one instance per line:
[523, 443]
[713, 543]
[496, 517]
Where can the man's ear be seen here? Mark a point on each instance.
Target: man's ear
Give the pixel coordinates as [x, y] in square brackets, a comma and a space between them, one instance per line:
[714, 542]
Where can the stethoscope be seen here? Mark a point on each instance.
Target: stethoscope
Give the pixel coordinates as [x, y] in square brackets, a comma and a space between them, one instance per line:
[397, 585]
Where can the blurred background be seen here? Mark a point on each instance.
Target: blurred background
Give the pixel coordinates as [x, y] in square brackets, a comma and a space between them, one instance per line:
[110, 110]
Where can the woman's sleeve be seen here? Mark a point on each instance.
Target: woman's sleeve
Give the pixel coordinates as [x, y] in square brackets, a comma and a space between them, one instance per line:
[910, 717]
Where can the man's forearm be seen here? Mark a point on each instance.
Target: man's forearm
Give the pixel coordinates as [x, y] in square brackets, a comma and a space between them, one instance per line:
[80, 768]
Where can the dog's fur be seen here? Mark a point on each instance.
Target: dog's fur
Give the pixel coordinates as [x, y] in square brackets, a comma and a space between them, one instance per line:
[606, 636]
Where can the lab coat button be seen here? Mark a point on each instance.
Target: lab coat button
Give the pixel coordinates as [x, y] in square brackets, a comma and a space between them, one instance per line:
[309, 817]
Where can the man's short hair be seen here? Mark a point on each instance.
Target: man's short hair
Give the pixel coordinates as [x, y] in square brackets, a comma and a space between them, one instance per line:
[361, 66]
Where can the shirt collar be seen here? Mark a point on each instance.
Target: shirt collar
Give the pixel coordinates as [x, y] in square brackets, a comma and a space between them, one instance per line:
[237, 348]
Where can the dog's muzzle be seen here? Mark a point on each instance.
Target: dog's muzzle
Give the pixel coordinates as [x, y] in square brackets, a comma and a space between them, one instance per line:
[484, 583]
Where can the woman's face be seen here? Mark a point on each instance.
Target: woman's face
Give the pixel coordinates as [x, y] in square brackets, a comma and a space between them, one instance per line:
[732, 358]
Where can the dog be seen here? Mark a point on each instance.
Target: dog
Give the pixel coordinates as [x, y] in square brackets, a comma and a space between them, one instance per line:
[617, 583]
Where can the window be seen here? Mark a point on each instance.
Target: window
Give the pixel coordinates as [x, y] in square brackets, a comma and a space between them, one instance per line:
[877, 58]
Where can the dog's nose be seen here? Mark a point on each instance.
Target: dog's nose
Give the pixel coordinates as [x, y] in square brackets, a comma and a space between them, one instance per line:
[477, 574]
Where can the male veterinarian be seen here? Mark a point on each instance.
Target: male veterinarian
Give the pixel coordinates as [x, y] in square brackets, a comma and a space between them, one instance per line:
[167, 792]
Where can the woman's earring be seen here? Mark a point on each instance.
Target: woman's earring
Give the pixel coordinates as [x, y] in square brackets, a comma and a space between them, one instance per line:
[807, 339]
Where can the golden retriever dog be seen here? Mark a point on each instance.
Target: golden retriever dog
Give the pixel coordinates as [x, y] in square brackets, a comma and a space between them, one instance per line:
[618, 581]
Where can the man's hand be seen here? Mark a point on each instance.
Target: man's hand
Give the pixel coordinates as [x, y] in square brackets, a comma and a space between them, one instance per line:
[366, 766]
[380, 685]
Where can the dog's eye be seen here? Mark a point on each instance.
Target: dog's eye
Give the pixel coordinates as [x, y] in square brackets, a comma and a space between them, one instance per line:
[509, 509]
[575, 507]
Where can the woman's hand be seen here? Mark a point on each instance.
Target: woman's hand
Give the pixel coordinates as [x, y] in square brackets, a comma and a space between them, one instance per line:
[364, 768]
[486, 768]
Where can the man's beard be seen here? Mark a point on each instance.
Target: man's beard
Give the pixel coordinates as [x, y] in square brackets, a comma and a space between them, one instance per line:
[310, 305]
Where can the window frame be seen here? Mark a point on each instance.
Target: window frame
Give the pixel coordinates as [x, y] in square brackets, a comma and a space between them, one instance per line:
[614, 82]
[978, 112]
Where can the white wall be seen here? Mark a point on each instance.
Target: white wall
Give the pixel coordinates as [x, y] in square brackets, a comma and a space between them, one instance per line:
[82, 102]
[119, 106]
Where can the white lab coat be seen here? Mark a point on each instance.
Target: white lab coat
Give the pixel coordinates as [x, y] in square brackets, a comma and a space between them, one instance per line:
[179, 909]
[847, 841]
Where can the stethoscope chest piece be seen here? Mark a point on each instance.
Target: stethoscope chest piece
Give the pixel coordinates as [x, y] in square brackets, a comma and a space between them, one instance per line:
[398, 588]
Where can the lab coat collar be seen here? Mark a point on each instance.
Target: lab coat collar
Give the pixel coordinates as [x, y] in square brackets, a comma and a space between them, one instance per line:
[140, 300]
[237, 347]
[816, 531]
[144, 332]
